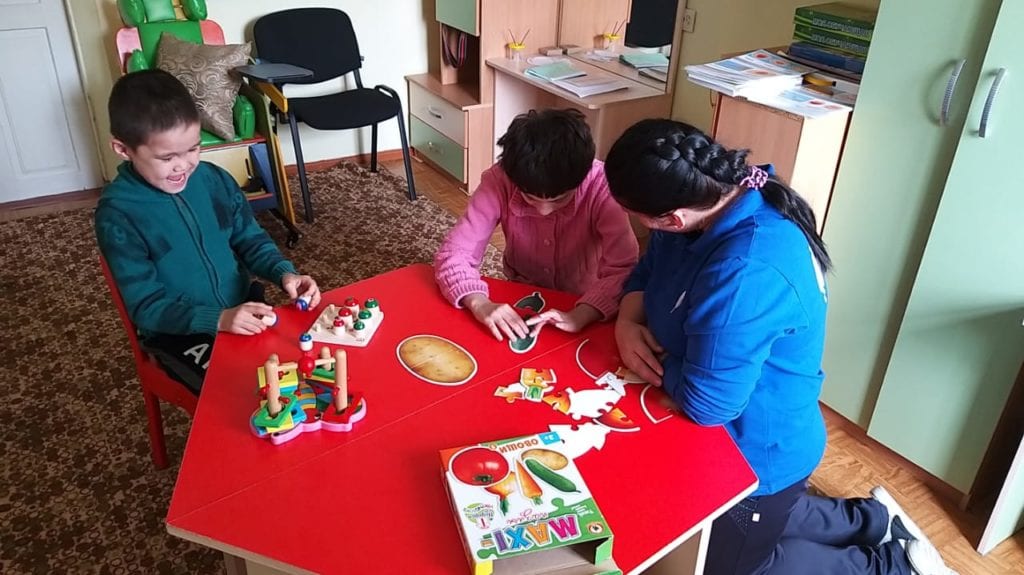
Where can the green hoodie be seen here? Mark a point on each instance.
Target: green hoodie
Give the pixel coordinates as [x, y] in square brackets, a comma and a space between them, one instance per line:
[181, 259]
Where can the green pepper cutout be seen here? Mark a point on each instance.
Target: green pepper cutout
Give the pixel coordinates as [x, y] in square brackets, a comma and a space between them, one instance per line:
[527, 307]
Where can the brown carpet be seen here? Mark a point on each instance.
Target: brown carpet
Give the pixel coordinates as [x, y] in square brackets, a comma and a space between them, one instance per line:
[78, 491]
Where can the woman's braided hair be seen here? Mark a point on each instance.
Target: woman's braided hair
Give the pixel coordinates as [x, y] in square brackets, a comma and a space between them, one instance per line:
[660, 165]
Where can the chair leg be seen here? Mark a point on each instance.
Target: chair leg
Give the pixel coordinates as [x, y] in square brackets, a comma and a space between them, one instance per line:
[156, 430]
[373, 149]
[301, 165]
[406, 158]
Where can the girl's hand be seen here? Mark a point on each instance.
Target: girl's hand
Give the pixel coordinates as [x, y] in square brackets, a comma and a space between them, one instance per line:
[244, 319]
[295, 285]
[500, 318]
[639, 350]
[573, 321]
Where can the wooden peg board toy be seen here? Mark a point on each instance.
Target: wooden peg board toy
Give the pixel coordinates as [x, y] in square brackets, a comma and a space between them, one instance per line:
[349, 324]
[293, 402]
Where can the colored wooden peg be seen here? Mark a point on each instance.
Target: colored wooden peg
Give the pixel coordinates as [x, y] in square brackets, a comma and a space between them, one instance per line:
[340, 380]
[273, 385]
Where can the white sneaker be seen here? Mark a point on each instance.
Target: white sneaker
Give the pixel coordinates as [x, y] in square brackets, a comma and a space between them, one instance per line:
[925, 559]
[882, 496]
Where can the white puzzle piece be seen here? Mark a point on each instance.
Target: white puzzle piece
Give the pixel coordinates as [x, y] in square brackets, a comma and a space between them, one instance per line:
[579, 439]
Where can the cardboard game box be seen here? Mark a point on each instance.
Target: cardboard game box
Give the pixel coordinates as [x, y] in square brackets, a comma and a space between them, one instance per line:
[522, 507]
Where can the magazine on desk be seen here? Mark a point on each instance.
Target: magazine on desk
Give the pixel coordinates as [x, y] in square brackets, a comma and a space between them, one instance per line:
[758, 72]
[591, 84]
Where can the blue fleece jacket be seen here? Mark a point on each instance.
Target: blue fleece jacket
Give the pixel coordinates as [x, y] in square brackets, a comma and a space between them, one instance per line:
[740, 311]
[180, 259]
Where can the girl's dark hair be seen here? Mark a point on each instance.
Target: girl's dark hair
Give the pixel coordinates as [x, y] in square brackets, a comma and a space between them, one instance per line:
[547, 153]
[658, 166]
[147, 102]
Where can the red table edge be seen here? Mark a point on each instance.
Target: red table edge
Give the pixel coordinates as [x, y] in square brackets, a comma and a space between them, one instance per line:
[263, 560]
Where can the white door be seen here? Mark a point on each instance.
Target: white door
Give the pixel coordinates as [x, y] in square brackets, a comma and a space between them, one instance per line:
[46, 139]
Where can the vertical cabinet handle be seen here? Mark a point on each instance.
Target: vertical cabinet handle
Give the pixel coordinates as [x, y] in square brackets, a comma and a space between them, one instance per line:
[983, 126]
[947, 98]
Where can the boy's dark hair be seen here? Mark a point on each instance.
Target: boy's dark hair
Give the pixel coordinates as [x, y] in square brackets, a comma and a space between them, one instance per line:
[547, 153]
[147, 102]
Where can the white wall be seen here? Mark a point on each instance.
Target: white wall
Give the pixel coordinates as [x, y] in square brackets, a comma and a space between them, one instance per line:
[392, 37]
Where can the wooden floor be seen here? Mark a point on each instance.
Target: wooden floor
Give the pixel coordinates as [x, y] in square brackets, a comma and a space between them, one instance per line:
[853, 462]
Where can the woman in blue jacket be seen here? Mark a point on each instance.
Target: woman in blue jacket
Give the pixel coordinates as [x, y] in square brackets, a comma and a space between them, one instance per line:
[726, 311]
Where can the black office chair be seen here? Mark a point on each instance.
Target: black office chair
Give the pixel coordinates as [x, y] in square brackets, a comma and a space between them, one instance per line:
[322, 40]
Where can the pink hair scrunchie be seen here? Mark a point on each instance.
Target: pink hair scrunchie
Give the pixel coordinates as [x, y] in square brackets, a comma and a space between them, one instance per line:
[756, 178]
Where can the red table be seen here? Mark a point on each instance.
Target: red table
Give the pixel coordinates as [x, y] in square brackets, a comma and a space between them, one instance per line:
[373, 500]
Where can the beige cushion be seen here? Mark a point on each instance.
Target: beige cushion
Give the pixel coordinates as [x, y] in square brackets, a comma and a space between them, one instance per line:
[206, 70]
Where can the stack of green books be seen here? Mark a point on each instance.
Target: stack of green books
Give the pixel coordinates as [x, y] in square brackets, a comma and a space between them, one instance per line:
[833, 34]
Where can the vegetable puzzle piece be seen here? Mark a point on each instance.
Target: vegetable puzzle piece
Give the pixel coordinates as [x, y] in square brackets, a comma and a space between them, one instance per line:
[579, 439]
[527, 307]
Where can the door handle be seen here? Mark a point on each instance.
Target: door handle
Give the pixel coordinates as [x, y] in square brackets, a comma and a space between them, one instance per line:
[992, 92]
[947, 98]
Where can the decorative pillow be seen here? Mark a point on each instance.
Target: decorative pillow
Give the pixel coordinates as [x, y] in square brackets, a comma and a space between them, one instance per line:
[206, 70]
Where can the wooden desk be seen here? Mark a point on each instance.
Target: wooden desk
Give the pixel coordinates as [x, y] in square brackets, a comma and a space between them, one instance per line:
[373, 500]
[607, 114]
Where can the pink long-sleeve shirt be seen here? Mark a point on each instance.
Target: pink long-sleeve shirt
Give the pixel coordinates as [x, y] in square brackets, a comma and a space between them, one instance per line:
[586, 247]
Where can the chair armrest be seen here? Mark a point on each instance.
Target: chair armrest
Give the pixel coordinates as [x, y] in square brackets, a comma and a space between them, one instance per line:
[274, 73]
[244, 114]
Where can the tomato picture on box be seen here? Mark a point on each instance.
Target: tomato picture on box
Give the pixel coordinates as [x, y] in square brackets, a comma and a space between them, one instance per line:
[522, 507]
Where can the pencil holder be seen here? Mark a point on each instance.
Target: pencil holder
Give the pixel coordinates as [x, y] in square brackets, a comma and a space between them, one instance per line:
[514, 51]
[611, 42]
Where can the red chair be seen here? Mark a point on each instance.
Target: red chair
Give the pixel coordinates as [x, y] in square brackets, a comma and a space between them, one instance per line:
[156, 384]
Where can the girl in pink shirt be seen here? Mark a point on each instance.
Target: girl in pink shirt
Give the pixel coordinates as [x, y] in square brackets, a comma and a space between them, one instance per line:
[562, 228]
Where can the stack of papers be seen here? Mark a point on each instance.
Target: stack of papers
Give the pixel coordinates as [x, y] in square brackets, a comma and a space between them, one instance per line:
[591, 84]
[659, 73]
[804, 101]
[566, 76]
[642, 60]
[759, 72]
[556, 71]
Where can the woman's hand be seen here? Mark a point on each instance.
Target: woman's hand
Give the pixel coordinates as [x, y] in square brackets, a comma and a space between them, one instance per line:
[295, 285]
[500, 318]
[244, 319]
[639, 350]
[572, 321]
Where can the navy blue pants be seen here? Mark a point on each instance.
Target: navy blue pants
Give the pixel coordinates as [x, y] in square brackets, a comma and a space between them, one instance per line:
[793, 533]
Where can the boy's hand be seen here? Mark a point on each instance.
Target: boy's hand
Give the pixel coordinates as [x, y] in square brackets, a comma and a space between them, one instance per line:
[244, 319]
[639, 350]
[295, 285]
[573, 321]
[498, 317]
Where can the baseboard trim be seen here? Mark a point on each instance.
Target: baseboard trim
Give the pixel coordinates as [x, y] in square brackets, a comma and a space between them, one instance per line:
[322, 165]
[49, 204]
[940, 487]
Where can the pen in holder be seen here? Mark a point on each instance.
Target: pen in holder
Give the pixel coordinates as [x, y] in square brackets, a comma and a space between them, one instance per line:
[514, 49]
[610, 41]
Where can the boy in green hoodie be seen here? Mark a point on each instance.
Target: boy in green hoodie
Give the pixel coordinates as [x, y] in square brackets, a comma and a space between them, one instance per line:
[179, 235]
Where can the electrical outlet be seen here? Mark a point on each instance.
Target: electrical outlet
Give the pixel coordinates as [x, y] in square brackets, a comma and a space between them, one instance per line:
[689, 18]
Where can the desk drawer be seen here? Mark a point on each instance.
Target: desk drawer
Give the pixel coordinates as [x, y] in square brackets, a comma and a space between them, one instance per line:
[438, 148]
[438, 113]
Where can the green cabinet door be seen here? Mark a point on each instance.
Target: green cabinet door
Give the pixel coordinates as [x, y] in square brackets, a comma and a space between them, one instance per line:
[961, 342]
[893, 169]
[461, 14]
